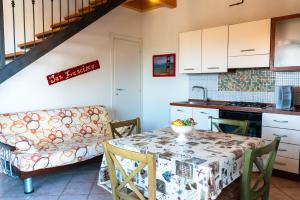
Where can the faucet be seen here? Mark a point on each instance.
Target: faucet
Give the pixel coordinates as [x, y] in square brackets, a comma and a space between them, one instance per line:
[205, 99]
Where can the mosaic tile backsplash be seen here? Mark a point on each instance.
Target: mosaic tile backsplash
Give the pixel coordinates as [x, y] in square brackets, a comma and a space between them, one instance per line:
[260, 80]
[251, 85]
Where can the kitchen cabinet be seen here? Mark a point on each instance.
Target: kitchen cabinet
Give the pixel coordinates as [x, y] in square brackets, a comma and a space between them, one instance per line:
[215, 49]
[249, 44]
[190, 48]
[285, 40]
[200, 115]
[284, 126]
[179, 112]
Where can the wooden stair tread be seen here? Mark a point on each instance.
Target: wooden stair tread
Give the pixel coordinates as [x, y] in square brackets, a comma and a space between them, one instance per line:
[93, 4]
[49, 32]
[98, 2]
[79, 14]
[65, 23]
[85, 8]
[30, 43]
[10, 56]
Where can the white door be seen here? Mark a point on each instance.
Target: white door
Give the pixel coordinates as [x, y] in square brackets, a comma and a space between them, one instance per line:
[127, 79]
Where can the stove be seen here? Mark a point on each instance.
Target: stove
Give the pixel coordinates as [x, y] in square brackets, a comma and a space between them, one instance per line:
[249, 105]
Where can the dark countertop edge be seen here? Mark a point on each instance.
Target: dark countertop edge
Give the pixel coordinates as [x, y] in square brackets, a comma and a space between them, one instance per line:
[236, 108]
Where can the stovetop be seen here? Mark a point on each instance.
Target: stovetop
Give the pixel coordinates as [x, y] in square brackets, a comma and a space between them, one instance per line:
[249, 104]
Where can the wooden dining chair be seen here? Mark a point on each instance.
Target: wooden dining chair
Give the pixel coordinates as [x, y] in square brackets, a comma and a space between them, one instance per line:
[119, 189]
[239, 127]
[253, 185]
[126, 127]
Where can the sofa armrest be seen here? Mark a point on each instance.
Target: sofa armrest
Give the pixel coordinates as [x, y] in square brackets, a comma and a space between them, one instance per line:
[7, 142]
[25, 145]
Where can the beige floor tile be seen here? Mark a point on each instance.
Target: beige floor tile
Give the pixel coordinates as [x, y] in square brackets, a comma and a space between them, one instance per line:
[294, 193]
[276, 194]
[284, 183]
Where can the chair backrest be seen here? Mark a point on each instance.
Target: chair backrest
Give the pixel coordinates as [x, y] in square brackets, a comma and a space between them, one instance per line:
[119, 189]
[240, 127]
[129, 125]
[261, 186]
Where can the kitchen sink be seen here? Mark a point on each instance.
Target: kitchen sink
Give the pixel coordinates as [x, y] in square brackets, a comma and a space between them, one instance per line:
[204, 103]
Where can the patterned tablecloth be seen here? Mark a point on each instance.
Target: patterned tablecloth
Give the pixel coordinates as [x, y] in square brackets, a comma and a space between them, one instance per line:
[198, 169]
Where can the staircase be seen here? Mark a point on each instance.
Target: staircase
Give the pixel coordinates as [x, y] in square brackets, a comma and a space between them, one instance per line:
[27, 52]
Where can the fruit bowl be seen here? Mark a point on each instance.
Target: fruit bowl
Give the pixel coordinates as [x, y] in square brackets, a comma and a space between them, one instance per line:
[182, 127]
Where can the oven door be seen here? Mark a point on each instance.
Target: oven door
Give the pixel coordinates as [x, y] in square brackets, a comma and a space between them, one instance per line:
[255, 121]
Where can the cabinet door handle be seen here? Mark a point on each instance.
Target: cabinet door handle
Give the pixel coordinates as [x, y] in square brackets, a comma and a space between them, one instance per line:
[283, 122]
[213, 68]
[282, 150]
[280, 163]
[180, 110]
[282, 136]
[205, 113]
[189, 69]
[247, 50]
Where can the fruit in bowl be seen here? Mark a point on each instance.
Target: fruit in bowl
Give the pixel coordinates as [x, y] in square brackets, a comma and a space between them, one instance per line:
[183, 126]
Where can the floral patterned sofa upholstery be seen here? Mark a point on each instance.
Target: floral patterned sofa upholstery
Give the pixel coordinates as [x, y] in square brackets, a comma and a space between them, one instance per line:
[52, 138]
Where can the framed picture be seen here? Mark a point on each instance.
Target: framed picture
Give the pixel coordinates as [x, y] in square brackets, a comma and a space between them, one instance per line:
[164, 65]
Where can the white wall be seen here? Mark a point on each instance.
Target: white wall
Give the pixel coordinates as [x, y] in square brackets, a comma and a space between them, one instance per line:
[160, 35]
[29, 90]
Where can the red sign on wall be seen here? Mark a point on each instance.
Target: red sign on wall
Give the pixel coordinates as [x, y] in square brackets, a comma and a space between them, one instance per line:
[73, 72]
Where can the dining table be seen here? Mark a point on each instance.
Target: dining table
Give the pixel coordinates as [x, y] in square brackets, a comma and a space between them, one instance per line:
[198, 168]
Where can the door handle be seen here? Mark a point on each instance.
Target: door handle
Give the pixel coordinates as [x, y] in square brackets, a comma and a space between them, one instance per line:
[213, 68]
[204, 113]
[120, 89]
[282, 150]
[280, 163]
[189, 69]
[247, 50]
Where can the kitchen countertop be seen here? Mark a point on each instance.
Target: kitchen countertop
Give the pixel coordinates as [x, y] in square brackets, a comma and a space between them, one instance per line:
[222, 106]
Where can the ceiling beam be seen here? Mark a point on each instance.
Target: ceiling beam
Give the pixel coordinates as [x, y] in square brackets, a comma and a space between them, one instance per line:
[146, 5]
[169, 3]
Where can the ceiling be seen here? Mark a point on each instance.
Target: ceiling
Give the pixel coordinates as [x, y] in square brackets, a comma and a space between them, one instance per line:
[146, 5]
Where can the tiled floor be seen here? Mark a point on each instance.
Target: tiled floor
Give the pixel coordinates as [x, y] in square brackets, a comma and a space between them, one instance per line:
[80, 184]
[76, 184]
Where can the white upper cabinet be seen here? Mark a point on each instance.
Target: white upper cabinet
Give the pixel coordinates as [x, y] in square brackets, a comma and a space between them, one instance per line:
[215, 49]
[190, 48]
[249, 44]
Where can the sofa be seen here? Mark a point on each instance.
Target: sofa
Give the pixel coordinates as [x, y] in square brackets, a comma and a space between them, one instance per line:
[42, 141]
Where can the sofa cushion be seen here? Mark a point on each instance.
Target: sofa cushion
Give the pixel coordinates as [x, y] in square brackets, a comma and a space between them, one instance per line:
[54, 126]
[53, 155]
[24, 145]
